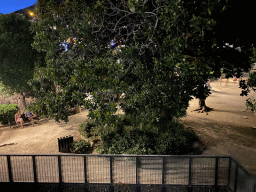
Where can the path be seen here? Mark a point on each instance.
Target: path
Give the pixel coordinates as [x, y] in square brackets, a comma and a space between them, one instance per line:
[229, 129]
[41, 139]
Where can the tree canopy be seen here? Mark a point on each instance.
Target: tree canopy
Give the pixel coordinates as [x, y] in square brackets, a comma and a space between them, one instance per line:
[17, 56]
[153, 54]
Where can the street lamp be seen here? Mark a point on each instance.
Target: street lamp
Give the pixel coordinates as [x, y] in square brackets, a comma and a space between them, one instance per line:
[31, 13]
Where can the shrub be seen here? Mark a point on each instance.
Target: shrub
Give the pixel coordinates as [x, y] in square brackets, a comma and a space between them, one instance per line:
[141, 139]
[131, 141]
[7, 113]
[80, 146]
[86, 128]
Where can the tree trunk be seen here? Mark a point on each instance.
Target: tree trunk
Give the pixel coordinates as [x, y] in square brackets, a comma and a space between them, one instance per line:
[202, 104]
[203, 107]
[22, 103]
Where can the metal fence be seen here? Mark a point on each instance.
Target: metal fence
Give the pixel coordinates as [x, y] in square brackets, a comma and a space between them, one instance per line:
[64, 143]
[123, 173]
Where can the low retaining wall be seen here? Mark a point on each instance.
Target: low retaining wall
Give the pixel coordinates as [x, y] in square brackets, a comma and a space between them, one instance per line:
[15, 99]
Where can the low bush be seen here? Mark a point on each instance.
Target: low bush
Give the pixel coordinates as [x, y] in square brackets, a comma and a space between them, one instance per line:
[7, 113]
[80, 146]
[177, 140]
[86, 128]
[174, 139]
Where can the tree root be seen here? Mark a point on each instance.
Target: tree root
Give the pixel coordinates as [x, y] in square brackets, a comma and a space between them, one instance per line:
[204, 109]
[8, 144]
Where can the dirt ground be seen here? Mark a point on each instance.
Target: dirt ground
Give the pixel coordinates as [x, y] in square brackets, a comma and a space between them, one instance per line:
[227, 130]
[41, 139]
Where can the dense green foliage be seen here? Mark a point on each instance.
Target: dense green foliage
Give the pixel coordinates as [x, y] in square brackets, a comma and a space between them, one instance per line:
[80, 146]
[17, 57]
[165, 51]
[148, 57]
[142, 139]
[5, 91]
[7, 113]
[247, 88]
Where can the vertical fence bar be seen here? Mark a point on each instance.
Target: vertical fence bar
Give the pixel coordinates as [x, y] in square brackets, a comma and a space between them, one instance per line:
[111, 172]
[60, 171]
[59, 144]
[216, 174]
[190, 175]
[163, 166]
[34, 168]
[9, 168]
[189, 171]
[85, 174]
[236, 173]
[137, 175]
[85, 170]
[229, 172]
[136, 170]
[71, 142]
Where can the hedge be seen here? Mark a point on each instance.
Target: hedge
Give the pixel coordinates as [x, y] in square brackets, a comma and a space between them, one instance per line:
[7, 113]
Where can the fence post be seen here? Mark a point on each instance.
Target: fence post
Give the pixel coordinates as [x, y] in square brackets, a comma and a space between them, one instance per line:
[34, 168]
[137, 177]
[85, 174]
[60, 171]
[229, 172]
[59, 145]
[9, 169]
[111, 173]
[85, 170]
[163, 166]
[236, 173]
[216, 174]
[189, 174]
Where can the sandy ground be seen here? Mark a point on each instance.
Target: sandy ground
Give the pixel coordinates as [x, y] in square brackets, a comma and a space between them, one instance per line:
[227, 130]
[41, 139]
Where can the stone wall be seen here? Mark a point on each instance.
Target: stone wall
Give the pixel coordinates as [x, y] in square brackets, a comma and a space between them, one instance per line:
[15, 99]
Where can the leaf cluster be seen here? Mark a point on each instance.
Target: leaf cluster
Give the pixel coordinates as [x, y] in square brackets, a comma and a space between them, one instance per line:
[80, 147]
[247, 87]
[17, 57]
[163, 52]
[138, 138]
[7, 112]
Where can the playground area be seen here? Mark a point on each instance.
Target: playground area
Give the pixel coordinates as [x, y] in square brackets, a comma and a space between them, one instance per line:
[229, 129]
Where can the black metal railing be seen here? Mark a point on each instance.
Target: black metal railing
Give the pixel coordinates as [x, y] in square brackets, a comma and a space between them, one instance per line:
[64, 143]
[123, 173]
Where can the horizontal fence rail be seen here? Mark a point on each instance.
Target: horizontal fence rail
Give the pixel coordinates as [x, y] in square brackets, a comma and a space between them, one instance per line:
[124, 173]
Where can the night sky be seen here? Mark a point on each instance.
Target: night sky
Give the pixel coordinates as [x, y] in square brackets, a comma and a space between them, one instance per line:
[8, 6]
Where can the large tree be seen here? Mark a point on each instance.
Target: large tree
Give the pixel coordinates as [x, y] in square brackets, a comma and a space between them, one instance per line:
[156, 54]
[17, 56]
